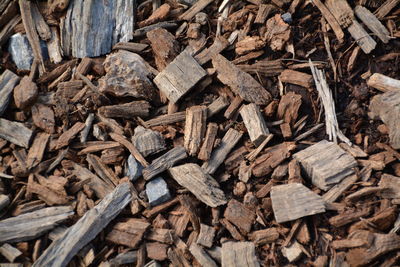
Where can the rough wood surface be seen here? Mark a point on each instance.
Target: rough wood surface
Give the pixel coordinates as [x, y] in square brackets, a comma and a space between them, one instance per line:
[9, 252]
[208, 143]
[372, 23]
[294, 201]
[235, 254]
[15, 132]
[4, 201]
[166, 119]
[181, 75]
[264, 10]
[201, 256]
[37, 150]
[131, 47]
[206, 236]
[61, 251]
[240, 82]
[194, 9]
[384, 9]
[8, 80]
[220, 43]
[128, 233]
[195, 128]
[219, 154]
[70, 134]
[164, 162]
[383, 83]
[296, 77]
[363, 39]
[201, 184]
[241, 216]
[120, 139]
[127, 110]
[31, 225]
[255, 123]
[326, 164]
[165, 47]
[147, 141]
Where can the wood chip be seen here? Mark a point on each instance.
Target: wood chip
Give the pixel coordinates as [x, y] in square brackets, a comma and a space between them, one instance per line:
[255, 123]
[238, 214]
[195, 127]
[8, 80]
[235, 254]
[383, 83]
[128, 233]
[15, 133]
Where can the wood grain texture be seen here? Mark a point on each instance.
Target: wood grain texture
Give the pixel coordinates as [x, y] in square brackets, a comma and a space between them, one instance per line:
[208, 144]
[147, 141]
[237, 254]
[372, 23]
[383, 83]
[15, 132]
[195, 128]
[255, 123]
[8, 81]
[194, 9]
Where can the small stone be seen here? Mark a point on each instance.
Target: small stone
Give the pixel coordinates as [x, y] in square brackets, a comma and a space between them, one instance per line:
[133, 169]
[157, 191]
[287, 17]
[21, 51]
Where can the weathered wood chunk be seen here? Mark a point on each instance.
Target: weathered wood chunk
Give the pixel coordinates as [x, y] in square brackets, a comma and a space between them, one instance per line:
[195, 127]
[208, 144]
[8, 80]
[265, 236]
[164, 45]
[292, 252]
[127, 110]
[128, 233]
[206, 236]
[32, 225]
[90, 29]
[240, 82]
[390, 186]
[37, 149]
[255, 123]
[164, 162]
[70, 134]
[181, 75]
[218, 156]
[237, 254]
[326, 163]
[372, 23]
[62, 250]
[201, 184]
[294, 201]
[127, 74]
[15, 132]
[147, 141]
[4, 201]
[9, 252]
[241, 216]
[383, 83]
[201, 256]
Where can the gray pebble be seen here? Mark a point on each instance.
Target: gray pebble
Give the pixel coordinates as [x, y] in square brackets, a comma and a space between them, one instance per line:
[21, 51]
[133, 169]
[157, 191]
[287, 17]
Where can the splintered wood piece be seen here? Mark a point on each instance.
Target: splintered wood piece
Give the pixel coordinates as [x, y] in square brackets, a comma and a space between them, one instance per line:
[386, 107]
[326, 163]
[100, 187]
[208, 144]
[231, 111]
[240, 82]
[37, 149]
[265, 236]
[237, 254]
[349, 217]
[156, 251]
[128, 233]
[25, 93]
[41, 26]
[166, 119]
[218, 156]
[390, 186]
[263, 13]
[238, 214]
[330, 19]
[131, 47]
[181, 75]
[54, 46]
[383, 83]
[164, 162]
[278, 33]
[127, 111]
[384, 9]
[194, 9]
[147, 141]
[294, 201]
[8, 80]
[195, 127]
[102, 170]
[201, 184]
[255, 123]
[206, 236]
[219, 45]
[380, 245]
[159, 14]
[216, 106]
[296, 77]
[67, 136]
[62, 250]
[9, 252]
[342, 11]
[96, 146]
[265, 67]
[372, 23]
[54, 74]
[337, 190]
[288, 108]
[161, 235]
[132, 149]
[363, 39]
[164, 46]
[15, 132]
[201, 256]
[249, 44]
[31, 225]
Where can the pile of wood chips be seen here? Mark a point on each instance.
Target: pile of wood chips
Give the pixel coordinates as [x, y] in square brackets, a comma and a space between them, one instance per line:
[199, 133]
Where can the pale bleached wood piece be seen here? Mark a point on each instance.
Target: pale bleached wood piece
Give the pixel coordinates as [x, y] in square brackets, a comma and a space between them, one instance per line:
[255, 123]
[8, 81]
[181, 75]
[164, 162]
[206, 236]
[9, 252]
[62, 250]
[41, 26]
[383, 83]
[201, 256]
[208, 144]
[199, 183]
[294, 201]
[147, 141]
[337, 190]
[31, 225]
[361, 36]
[195, 127]
[217, 105]
[372, 23]
[88, 126]
[219, 154]
[194, 9]
[384, 9]
[102, 170]
[238, 254]
[15, 132]
[54, 46]
[390, 186]
[342, 11]
[240, 82]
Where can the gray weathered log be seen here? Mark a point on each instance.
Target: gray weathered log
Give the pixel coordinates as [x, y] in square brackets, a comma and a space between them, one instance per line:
[372, 23]
[201, 256]
[8, 80]
[238, 254]
[62, 250]
[255, 123]
[147, 141]
[201, 184]
[31, 225]
[294, 201]
[362, 37]
[326, 163]
[219, 154]
[164, 162]
[80, 29]
[15, 132]
[383, 83]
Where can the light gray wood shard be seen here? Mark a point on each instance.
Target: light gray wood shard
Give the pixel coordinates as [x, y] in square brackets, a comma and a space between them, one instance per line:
[372, 23]
[294, 201]
[32, 225]
[326, 163]
[199, 183]
[238, 254]
[91, 28]
[62, 250]
[9, 252]
[255, 123]
[8, 80]
[201, 256]
[15, 132]
[218, 156]
[147, 141]
[181, 75]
